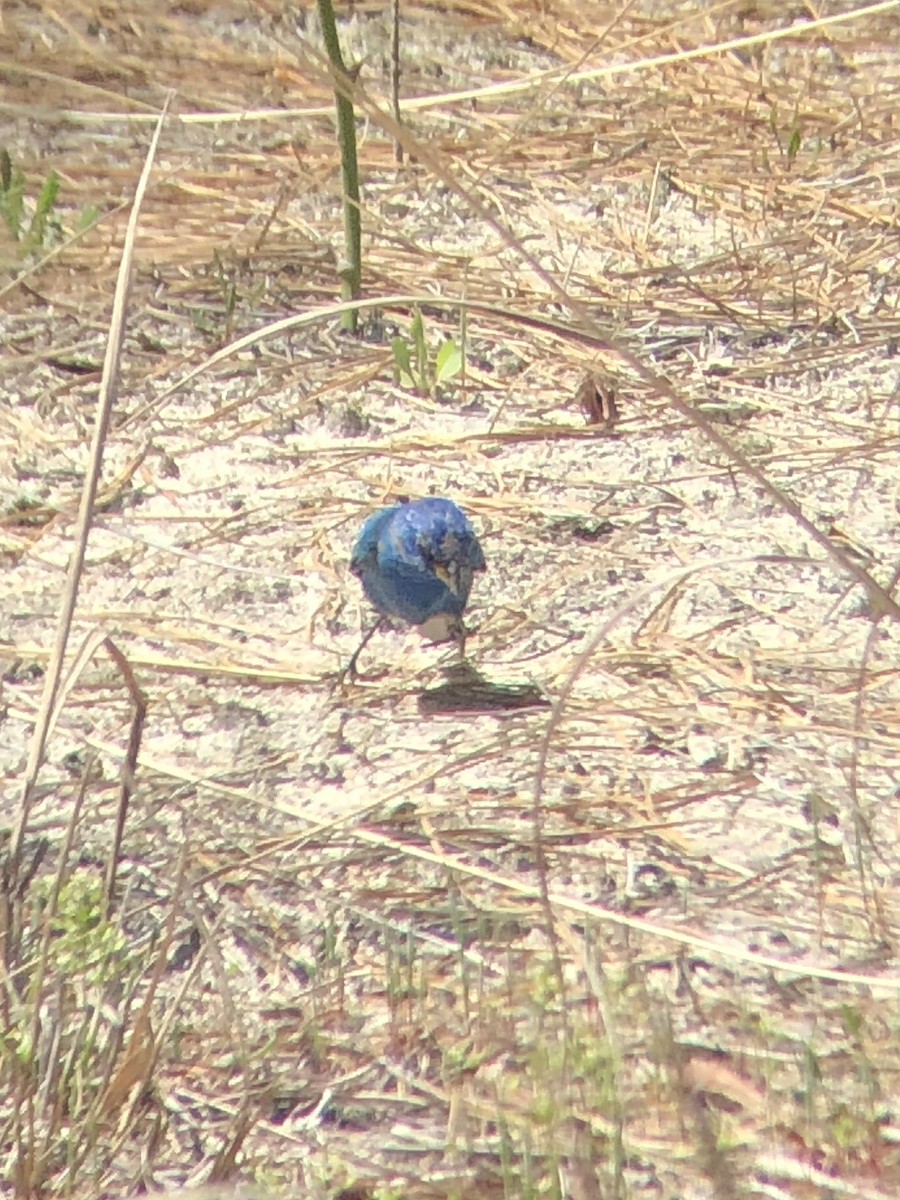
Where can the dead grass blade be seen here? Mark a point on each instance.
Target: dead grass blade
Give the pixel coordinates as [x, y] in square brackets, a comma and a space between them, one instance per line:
[105, 402]
[129, 766]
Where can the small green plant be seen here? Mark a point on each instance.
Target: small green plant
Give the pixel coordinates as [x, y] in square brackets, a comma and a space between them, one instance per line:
[416, 367]
[30, 222]
[232, 292]
[84, 942]
[794, 143]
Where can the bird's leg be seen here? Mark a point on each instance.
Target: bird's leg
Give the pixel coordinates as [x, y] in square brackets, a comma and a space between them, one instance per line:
[350, 670]
[457, 635]
[460, 674]
[460, 640]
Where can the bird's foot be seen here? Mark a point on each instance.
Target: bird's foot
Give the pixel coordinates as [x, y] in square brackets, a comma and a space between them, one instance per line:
[351, 672]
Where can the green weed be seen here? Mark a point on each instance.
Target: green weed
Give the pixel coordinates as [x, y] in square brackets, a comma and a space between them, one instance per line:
[32, 223]
[417, 367]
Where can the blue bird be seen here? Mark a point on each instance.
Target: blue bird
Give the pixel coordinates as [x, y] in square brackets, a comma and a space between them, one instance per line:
[416, 562]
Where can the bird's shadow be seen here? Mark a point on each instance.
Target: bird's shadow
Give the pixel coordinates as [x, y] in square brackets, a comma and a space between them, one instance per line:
[463, 689]
[466, 690]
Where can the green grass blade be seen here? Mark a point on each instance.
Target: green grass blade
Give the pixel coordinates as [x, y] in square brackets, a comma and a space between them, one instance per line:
[46, 202]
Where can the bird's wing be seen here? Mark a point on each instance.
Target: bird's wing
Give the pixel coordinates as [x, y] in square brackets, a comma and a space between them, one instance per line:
[365, 552]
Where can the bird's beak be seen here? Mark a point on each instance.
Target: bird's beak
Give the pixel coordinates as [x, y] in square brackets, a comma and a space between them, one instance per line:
[448, 575]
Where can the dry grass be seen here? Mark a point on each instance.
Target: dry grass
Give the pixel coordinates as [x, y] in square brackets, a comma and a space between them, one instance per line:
[327, 942]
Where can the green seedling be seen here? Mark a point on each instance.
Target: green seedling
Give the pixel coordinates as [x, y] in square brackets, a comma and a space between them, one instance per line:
[417, 368]
[794, 143]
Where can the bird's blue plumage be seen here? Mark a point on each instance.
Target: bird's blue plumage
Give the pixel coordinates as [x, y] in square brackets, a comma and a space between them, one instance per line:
[417, 561]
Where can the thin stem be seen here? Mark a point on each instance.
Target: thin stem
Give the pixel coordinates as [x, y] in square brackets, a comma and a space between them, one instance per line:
[351, 269]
